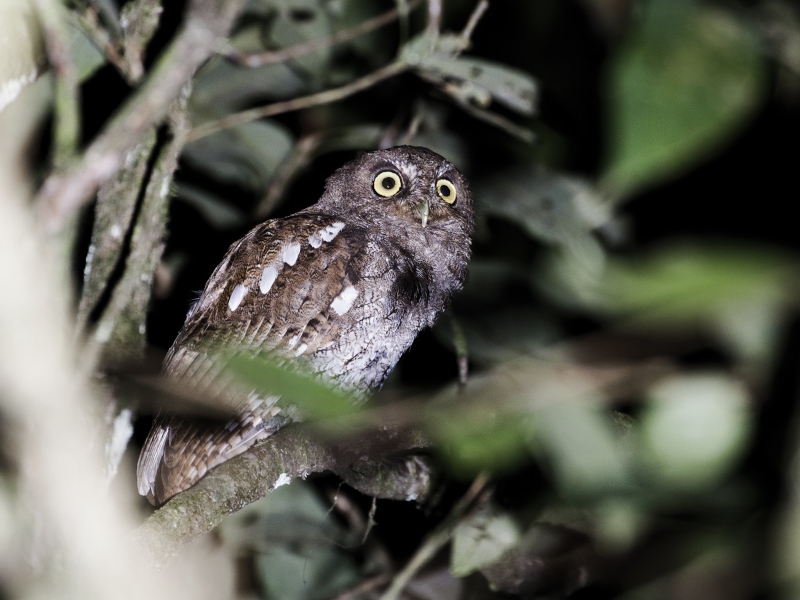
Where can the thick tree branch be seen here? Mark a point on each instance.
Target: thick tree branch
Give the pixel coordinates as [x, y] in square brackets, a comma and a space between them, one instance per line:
[207, 23]
[122, 326]
[295, 451]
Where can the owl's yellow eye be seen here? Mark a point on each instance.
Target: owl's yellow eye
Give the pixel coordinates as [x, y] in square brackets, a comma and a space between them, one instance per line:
[446, 191]
[387, 184]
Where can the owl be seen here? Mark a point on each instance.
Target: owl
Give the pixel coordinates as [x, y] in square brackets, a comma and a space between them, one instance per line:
[342, 287]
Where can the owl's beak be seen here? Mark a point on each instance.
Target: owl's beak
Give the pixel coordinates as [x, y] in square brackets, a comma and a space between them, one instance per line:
[422, 210]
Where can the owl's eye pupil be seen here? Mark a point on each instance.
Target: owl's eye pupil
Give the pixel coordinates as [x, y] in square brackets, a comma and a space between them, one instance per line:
[387, 183]
[445, 191]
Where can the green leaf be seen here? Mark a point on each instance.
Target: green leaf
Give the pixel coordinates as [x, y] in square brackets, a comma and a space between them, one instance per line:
[680, 87]
[298, 21]
[584, 448]
[298, 388]
[214, 209]
[481, 539]
[468, 79]
[85, 55]
[479, 81]
[553, 208]
[222, 87]
[246, 155]
[684, 282]
[475, 441]
[297, 545]
[738, 293]
[694, 428]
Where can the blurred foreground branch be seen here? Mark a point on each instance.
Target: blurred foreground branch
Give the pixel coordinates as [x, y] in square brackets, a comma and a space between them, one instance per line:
[47, 402]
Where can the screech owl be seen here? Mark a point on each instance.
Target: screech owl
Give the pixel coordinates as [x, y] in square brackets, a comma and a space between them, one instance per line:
[343, 286]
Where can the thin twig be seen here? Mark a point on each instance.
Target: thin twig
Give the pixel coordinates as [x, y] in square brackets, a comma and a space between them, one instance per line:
[365, 586]
[298, 158]
[404, 8]
[63, 194]
[277, 108]
[472, 23]
[351, 513]
[345, 35]
[518, 131]
[371, 522]
[435, 16]
[438, 538]
[462, 352]
[413, 126]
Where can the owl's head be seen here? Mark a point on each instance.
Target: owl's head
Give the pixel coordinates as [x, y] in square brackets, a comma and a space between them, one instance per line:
[407, 188]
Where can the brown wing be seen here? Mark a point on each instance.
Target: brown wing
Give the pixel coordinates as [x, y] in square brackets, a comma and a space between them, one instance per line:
[277, 289]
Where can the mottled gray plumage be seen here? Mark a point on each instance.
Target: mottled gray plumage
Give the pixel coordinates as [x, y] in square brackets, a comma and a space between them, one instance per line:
[343, 286]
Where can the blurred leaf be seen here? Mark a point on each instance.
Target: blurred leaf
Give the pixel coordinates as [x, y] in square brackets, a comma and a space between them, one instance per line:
[553, 208]
[739, 293]
[222, 87]
[680, 87]
[320, 573]
[447, 144]
[376, 46]
[85, 55]
[694, 427]
[297, 544]
[298, 21]
[683, 281]
[290, 517]
[492, 281]
[584, 448]
[214, 209]
[475, 441]
[481, 539]
[246, 155]
[311, 396]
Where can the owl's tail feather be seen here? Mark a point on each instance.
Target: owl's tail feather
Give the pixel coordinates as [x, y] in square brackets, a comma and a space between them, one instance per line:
[179, 452]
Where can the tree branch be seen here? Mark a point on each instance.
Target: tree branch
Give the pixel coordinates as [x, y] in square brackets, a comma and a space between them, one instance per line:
[295, 451]
[67, 113]
[122, 325]
[207, 23]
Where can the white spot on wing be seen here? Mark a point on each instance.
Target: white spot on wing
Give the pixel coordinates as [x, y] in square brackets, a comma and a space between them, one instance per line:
[300, 349]
[331, 231]
[290, 253]
[238, 294]
[344, 301]
[268, 277]
[315, 239]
